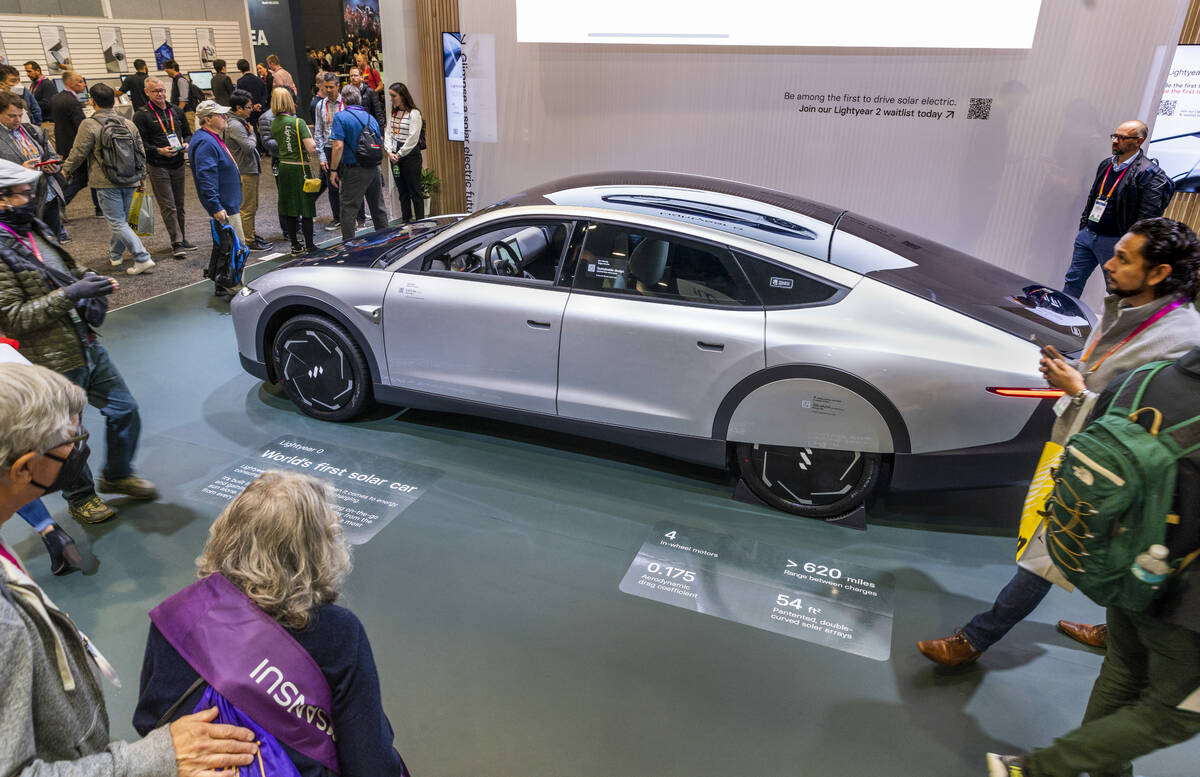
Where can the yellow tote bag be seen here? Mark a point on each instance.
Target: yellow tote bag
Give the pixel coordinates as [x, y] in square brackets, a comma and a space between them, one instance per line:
[1039, 491]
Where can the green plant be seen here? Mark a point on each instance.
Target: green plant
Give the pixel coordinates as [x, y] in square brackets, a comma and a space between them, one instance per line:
[430, 183]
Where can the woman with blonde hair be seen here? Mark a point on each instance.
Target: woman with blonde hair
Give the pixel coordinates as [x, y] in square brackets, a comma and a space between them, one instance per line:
[259, 635]
[297, 150]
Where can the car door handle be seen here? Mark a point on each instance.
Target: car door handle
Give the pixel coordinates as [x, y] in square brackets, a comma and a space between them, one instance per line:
[537, 324]
[715, 347]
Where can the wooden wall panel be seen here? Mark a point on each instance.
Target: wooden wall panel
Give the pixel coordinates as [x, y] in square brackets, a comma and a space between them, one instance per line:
[441, 155]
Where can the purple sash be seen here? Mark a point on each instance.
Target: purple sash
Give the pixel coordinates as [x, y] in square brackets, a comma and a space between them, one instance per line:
[253, 662]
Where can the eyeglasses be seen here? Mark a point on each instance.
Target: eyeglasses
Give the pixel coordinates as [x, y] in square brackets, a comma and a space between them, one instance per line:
[1115, 137]
[76, 441]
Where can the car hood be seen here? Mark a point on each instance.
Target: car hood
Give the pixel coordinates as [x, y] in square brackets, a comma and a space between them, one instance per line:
[375, 249]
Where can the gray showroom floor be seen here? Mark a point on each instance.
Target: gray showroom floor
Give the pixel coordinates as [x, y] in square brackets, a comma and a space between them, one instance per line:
[504, 645]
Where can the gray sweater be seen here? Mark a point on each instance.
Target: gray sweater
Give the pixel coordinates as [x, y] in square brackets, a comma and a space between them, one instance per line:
[1170, 337]
[52, 717]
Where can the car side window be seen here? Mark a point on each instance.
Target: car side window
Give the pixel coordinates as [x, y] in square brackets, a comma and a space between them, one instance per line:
[525, 250]
[637, 262]
[780, 286]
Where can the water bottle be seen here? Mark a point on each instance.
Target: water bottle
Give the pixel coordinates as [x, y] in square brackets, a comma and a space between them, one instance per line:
[1151, 565]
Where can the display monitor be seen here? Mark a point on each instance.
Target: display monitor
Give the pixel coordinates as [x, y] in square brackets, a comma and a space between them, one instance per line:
[201, 78]
[452, 72]
[861, 23]
[59, 85]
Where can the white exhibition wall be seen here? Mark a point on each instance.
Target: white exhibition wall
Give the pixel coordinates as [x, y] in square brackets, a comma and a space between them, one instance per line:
[1008, 188]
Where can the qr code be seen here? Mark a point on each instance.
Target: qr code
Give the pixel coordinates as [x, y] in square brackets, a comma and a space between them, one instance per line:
[1167, 107]
[980, 108]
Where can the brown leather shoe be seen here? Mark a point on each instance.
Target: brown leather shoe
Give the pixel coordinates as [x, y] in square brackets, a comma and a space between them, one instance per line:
[949, 651]
[1096, 636]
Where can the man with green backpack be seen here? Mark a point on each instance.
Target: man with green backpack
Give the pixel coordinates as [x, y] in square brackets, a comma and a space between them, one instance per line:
[1123, 525]
[1153, 277]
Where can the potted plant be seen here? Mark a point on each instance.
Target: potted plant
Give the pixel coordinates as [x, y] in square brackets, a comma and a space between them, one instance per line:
[430, 183]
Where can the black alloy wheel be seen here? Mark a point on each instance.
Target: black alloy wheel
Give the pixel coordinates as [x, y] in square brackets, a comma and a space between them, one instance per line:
[811, 482]
[321, 368]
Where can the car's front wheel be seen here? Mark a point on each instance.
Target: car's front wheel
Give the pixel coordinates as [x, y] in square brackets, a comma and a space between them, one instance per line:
[812, 482]
[321, 368]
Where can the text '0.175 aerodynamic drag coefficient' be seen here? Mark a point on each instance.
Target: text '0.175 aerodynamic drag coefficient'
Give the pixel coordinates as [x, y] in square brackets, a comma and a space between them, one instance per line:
[823, 355]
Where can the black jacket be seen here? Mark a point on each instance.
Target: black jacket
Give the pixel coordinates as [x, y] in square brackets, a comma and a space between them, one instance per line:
[1144, 193]
[42, 92]
[148, 123]
[1176, 393]
[257, 89]
[222, 88]
[370, 101]
[67, 114]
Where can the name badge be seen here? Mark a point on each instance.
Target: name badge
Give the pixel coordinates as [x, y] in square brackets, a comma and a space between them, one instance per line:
[173, 141]
[1097, 210]
[1061, 405]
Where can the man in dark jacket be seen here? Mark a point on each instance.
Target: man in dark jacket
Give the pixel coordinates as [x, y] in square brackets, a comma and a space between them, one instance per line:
[53, 309]
[67, 112]
[135, 85]
[43, 89]
[1128, 186]
[222, 84]
[1147, 696]
[370, 100]
[165, 135]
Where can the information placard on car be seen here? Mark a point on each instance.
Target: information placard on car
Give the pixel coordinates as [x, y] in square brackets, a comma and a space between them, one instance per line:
[369, 490]
[789, 591]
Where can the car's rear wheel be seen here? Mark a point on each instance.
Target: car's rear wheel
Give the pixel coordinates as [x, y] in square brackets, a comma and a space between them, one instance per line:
[812, 482]
[321, 368]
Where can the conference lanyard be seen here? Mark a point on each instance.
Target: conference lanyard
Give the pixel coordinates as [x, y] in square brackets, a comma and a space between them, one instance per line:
[1101, 195]
[28, 147]
[1142, 327]
[222, 142]
[32, 245]
[170, 117]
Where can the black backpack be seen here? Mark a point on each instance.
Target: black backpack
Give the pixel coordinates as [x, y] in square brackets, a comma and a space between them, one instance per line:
[195, 96]
[369, 149]
[117, 151]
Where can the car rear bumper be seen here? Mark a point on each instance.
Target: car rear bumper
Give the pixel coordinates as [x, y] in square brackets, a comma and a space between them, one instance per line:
[984, 466]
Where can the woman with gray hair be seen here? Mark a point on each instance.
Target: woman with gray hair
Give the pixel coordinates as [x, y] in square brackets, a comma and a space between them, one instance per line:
[52, 716]
[260, 631]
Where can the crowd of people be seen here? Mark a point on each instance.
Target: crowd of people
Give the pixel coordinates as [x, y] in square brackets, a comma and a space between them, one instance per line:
[277, 548]
[76, 140]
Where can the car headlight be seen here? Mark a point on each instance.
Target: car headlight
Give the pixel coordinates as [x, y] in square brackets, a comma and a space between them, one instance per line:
[246, 291]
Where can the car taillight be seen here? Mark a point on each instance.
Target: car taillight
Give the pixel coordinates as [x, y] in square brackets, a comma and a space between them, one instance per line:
[1027, 393]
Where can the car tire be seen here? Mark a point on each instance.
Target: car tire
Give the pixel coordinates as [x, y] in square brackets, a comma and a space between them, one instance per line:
[810, 482]
[321, 368]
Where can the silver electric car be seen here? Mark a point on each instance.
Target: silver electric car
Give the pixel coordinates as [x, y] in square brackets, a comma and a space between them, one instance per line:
[822, 355]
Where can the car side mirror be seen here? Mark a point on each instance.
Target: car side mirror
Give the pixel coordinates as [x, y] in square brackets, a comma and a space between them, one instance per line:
[431, 262]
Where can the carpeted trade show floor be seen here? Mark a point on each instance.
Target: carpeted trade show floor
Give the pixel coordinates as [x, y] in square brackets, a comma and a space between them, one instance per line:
[510, 640]
[90, 237]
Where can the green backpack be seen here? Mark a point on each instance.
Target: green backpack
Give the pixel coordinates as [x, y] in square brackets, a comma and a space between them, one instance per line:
[1112, 497]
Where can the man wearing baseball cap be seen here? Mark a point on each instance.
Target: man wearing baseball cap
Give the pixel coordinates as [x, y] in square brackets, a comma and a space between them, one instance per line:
[213, 167]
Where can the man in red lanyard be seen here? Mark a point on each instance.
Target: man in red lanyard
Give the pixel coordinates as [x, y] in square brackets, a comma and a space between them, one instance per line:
[1128, 186]
[165, 134]
[1153, 276]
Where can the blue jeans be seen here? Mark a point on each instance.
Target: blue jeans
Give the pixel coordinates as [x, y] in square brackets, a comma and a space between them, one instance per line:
[1090, 250]
[36, 515]
[106, 391]
[114, 204]
[1016, 600]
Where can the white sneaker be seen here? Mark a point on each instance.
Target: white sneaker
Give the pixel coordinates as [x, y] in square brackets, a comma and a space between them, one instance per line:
[140, 267]
[117, 262]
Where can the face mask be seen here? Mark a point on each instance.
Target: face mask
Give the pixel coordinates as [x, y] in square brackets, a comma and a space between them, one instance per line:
[20, 216]
[71, 469]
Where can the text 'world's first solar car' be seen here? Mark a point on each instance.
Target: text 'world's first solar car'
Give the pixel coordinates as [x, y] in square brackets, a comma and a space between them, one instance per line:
[821, 354]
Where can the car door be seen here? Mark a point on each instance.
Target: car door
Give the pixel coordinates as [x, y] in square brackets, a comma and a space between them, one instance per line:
[657, 330]
[482, 321]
